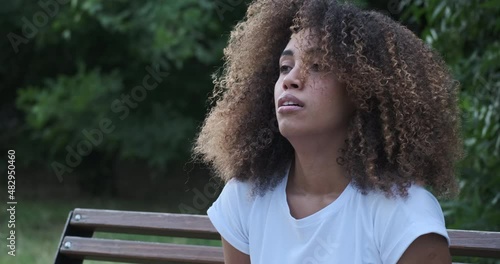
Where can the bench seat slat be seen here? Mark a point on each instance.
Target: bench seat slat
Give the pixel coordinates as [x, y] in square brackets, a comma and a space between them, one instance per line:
[192, 226]
[139, 252]
[475, 243]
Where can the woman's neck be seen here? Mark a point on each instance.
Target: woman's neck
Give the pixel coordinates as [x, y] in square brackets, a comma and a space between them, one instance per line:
[315, 170]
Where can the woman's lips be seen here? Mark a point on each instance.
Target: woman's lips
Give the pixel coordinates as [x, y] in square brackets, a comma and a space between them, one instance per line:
[288, 103]
[285, 109]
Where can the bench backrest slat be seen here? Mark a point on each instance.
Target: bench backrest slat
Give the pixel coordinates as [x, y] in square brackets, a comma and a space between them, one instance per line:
[165, 224]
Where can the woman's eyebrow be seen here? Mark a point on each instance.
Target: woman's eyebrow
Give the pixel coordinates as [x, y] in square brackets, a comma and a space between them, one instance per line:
[287, 53]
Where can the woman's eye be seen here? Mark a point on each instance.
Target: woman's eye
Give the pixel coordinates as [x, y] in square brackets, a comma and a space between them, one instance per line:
[285, 68]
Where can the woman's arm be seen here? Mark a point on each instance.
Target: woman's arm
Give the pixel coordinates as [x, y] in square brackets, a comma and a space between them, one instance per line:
[232, 255]
[430, 248]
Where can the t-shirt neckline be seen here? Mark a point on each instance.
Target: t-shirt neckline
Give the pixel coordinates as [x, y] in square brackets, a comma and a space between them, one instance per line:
[331, 208]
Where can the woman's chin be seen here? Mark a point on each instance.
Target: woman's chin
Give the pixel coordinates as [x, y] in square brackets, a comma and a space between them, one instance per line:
[289, 131]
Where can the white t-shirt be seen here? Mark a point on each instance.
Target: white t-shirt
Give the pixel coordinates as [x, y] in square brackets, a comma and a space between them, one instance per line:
[354, 228]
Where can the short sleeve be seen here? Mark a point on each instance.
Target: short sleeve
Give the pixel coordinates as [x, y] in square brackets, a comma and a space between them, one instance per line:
[229, 214]
[401, 221]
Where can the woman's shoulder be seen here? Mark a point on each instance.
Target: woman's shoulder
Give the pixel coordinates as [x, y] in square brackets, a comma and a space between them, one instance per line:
[397, 221]
[417, 197]
[419, 206]
[250, 189]
[235, 185]
[237, 192]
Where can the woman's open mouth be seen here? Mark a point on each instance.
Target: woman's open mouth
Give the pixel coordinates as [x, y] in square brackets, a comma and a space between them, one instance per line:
[288, 103]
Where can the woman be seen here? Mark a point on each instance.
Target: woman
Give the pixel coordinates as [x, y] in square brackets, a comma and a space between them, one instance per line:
[328, 123]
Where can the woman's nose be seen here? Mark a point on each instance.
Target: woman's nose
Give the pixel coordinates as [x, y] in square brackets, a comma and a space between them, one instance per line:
[292, 79]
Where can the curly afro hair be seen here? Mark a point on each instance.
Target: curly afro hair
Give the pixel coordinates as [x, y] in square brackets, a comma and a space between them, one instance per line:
[405, 127]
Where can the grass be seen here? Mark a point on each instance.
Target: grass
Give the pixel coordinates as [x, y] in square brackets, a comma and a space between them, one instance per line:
[39, 224]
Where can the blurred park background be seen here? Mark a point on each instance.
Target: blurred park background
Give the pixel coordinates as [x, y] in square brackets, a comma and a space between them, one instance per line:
[101, 101]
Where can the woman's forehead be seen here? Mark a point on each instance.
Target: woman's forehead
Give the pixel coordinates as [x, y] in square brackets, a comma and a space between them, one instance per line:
[303, 40]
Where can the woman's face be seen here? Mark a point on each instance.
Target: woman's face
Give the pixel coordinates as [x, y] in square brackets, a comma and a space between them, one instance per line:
[311, 104]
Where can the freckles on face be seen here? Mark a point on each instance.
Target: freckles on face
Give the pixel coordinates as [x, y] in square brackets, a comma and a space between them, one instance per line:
[325, 105]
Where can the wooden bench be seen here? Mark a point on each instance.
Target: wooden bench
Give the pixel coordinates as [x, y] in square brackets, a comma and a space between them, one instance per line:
[77, 242]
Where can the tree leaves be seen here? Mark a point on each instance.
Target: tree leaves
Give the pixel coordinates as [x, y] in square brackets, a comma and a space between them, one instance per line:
[91, 53]
[464, 32]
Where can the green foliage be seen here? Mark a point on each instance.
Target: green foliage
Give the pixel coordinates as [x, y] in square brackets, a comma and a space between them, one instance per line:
[62, 108]
[466, 34]
[89, 55]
